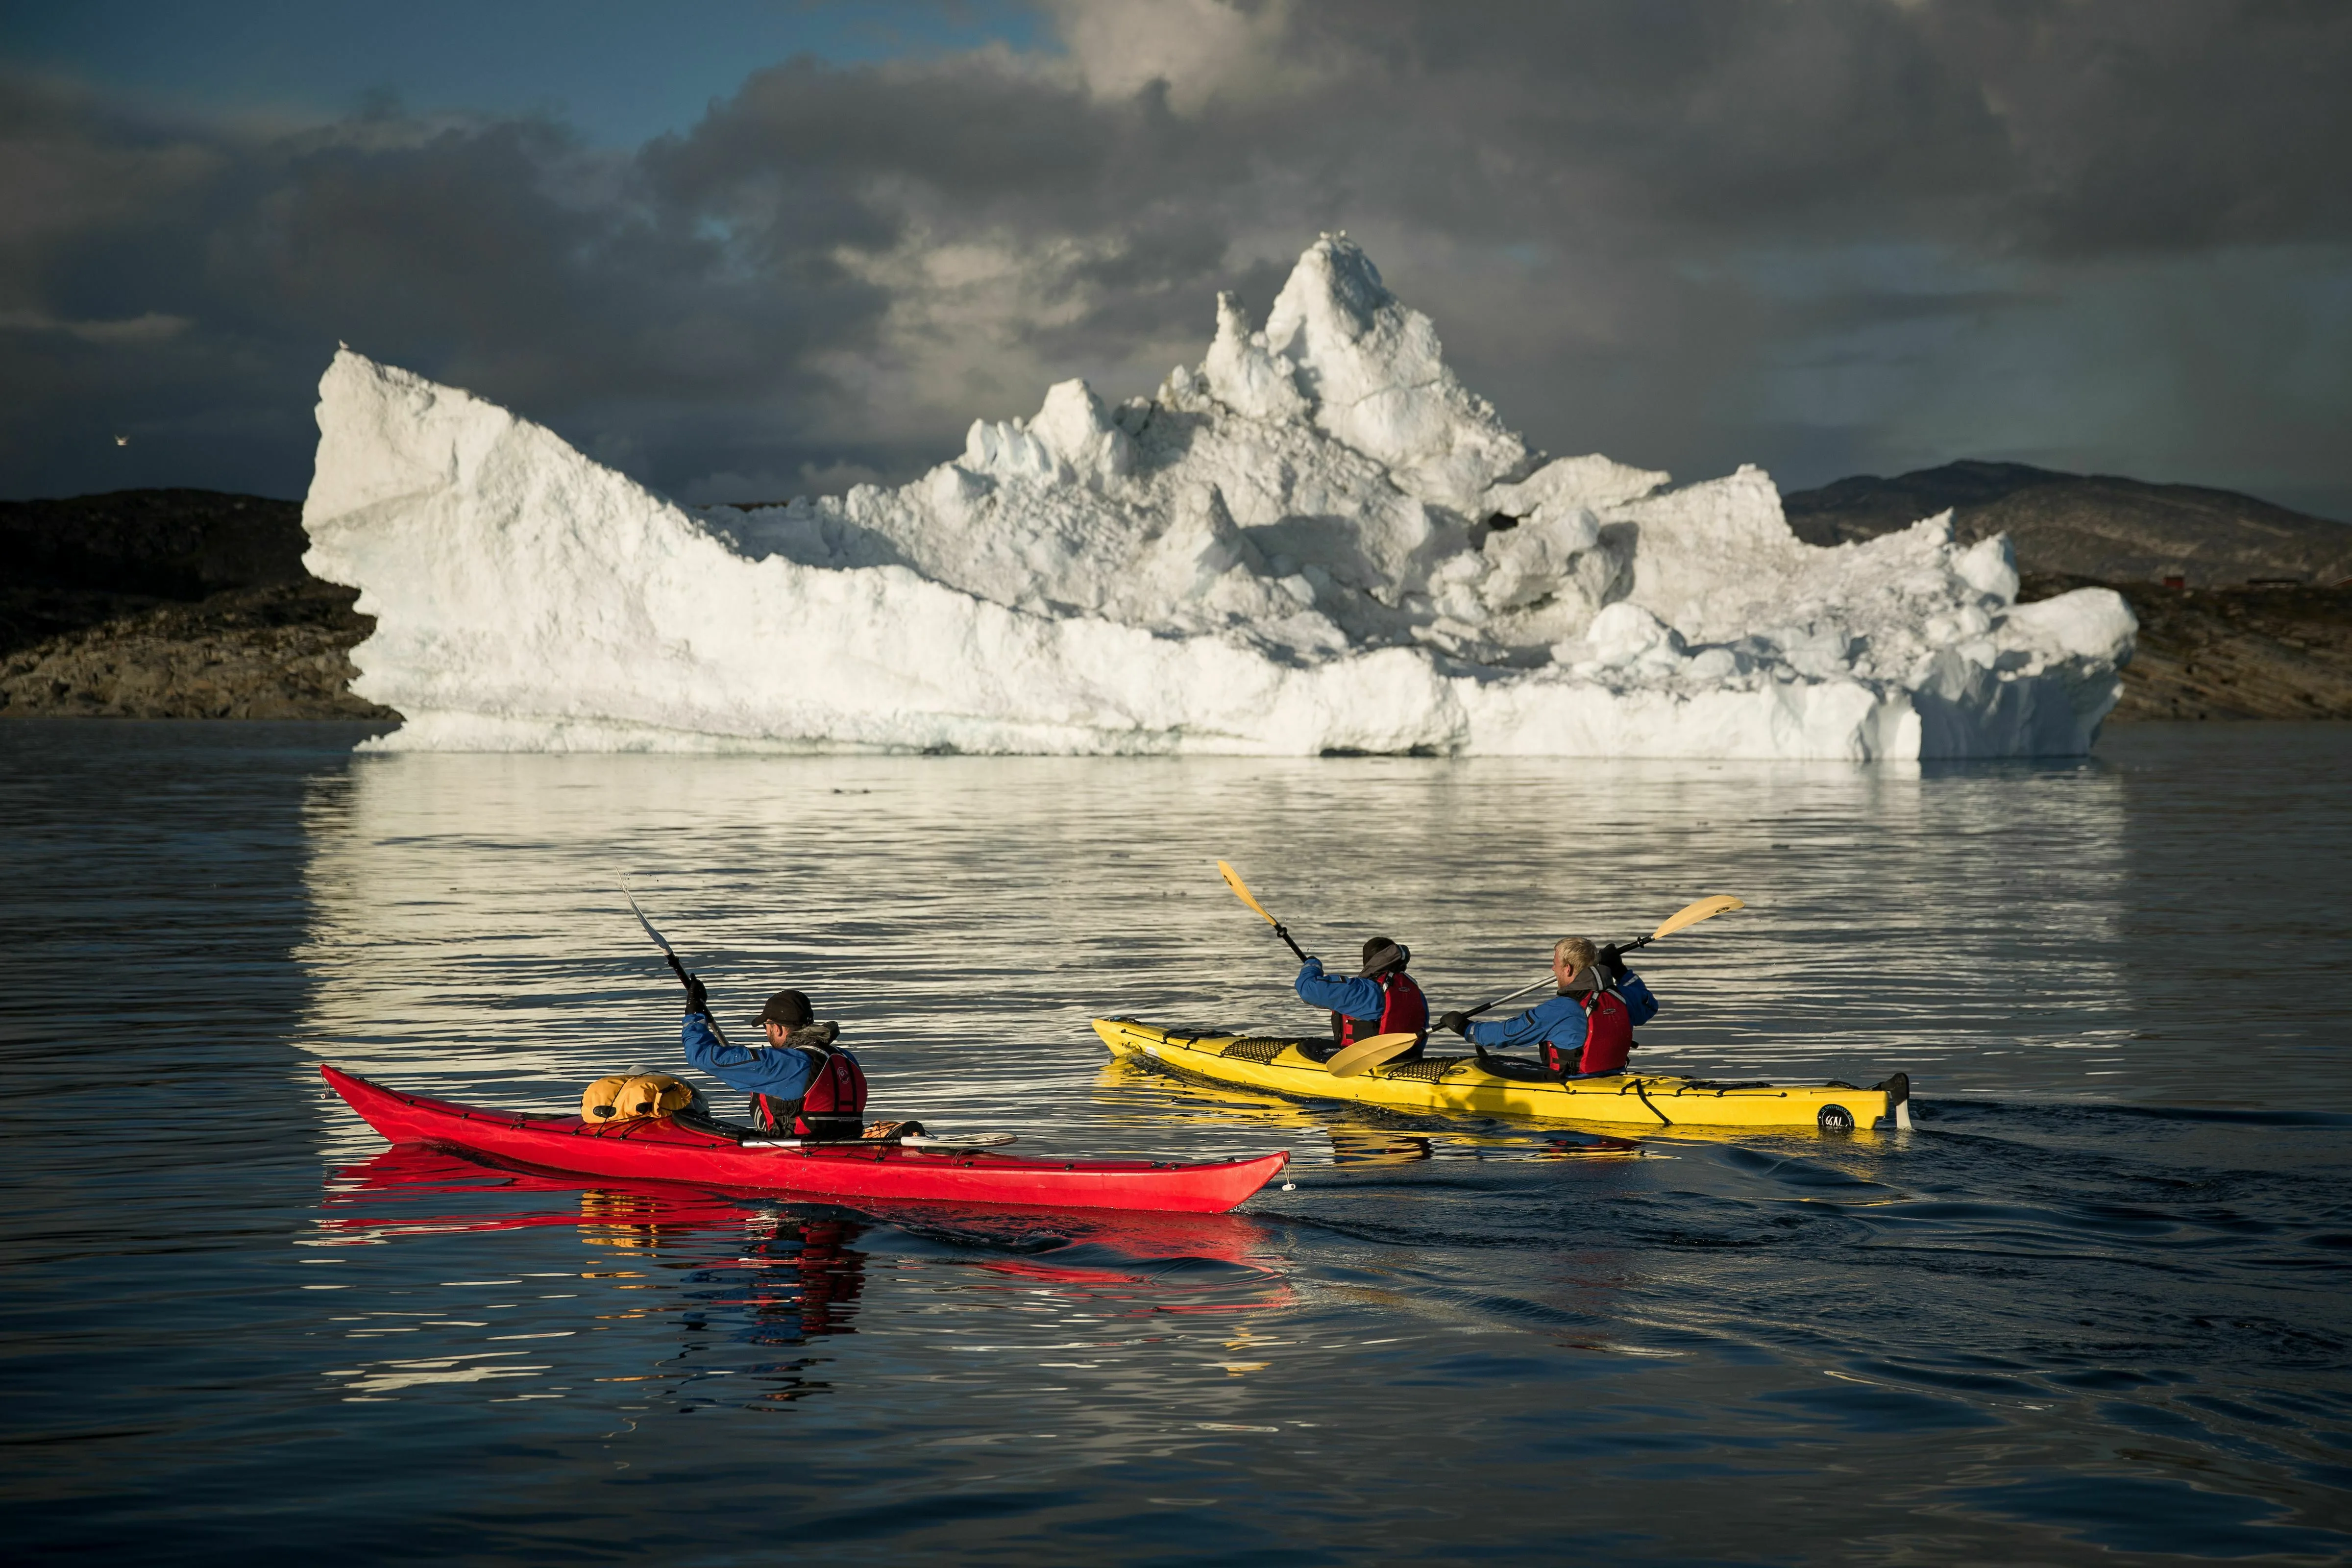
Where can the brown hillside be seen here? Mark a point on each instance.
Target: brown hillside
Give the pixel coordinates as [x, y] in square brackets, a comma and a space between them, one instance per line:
[2101, 527]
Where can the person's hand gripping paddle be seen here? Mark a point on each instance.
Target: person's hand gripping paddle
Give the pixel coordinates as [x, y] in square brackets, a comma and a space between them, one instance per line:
[1365, 1054]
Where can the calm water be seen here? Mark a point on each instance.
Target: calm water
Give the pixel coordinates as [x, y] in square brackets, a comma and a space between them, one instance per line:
[2093, 1305]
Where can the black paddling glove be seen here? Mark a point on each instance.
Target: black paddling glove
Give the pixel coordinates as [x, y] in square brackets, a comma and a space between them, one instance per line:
[697, 1000]
[1612, 962]
[1457, 1022]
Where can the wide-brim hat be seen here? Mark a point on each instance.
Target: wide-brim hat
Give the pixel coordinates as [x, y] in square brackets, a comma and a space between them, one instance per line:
[1380, 953]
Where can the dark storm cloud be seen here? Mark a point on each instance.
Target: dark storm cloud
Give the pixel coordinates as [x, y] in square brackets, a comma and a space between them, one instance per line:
[1818, 233]
[499, 255]
[2059, 124]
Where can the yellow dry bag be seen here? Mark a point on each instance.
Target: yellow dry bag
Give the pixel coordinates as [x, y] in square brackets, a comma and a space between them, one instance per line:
[632, 1097]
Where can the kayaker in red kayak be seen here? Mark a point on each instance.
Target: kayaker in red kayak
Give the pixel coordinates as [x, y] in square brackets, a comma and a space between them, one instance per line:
[1379, 999]
[799, 1081]
[1588, 1027]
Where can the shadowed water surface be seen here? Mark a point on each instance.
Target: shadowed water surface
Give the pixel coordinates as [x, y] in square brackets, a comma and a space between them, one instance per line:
[2094, 1304]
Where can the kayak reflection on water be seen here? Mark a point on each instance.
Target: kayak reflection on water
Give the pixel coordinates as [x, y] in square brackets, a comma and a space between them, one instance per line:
[1378, 1146]
[805, 1271]
[830, 1276]
[749, 1302]
[412, 1191]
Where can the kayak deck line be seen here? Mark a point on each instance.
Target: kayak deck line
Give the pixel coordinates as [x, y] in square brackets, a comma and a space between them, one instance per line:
[1463, 1084]
[667, 1149]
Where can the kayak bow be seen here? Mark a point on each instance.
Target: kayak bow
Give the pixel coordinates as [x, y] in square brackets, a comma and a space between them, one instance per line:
[663, 1149]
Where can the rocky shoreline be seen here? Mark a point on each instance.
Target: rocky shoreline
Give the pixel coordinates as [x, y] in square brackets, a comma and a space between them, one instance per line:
[2261, 651]
[277, 652]
[173, 604]
[194, 604]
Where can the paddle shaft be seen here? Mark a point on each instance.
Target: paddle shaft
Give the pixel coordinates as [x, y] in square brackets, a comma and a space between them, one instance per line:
[670, 952]
[1488, 1006]
[1241, 891]
[1547, 980]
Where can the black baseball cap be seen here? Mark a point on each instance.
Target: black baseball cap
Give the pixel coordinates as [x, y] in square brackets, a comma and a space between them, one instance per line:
[788, 1008]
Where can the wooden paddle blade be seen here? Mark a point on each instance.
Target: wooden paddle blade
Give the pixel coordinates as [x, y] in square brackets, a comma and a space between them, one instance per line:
[1365, 1054]
[960, 1141]
[1705, 908]
[1241, 891]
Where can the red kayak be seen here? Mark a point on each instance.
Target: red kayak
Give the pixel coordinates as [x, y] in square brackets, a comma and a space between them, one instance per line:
[663, 1149]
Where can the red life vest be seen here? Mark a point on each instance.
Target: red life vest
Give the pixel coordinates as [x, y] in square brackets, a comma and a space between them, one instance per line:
[1404, 1010]
[832, 1106]
[1608, 1036]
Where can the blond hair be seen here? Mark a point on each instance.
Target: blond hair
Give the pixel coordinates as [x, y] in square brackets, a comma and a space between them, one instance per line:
[1579, 958]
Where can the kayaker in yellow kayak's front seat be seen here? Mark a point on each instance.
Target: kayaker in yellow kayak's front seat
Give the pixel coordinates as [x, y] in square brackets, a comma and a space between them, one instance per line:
[799, 1081]
[1379, 999]
[1584, 1031]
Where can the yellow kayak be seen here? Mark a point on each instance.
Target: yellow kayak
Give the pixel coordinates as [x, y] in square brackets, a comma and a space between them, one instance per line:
[1460, 1084]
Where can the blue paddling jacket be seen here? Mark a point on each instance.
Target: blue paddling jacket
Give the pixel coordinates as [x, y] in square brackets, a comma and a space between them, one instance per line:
[1355, 998]
[780, 1074]
[1555, 1028]
[1386, 1004]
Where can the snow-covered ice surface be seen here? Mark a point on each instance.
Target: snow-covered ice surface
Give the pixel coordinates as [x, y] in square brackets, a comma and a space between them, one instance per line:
[1315, 540]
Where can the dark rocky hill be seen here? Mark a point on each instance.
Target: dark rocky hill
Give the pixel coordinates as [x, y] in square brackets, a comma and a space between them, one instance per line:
[171, 605]
[2107, 529]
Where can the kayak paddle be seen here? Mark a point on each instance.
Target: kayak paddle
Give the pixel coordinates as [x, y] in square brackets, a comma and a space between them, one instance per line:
[1365, 1054]
[1241, 891]
[671, 953]
[946, 1142]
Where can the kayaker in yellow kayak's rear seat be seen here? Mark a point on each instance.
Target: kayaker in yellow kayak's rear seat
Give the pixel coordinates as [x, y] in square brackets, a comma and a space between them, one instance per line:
[1380, 999]
[1584, 1031]
[799, 1081]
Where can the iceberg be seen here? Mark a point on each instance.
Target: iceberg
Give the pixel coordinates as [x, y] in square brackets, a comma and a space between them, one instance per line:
[1316, 541]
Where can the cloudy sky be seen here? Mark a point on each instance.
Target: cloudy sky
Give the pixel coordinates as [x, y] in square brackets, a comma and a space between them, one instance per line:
[744, 250]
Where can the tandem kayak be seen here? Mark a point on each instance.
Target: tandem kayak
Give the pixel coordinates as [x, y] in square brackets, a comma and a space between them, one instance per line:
[1461, 1084]
[664, 1149]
